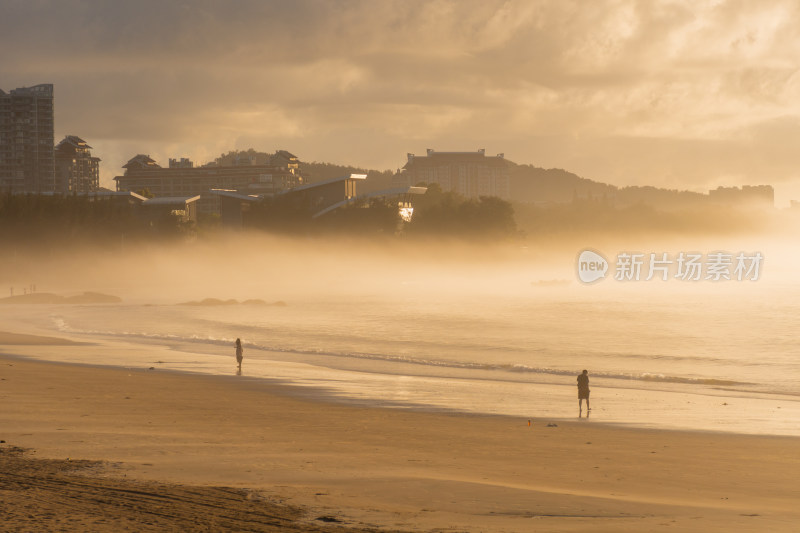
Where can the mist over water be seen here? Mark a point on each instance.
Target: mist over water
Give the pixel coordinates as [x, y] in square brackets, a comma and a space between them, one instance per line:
[498, 328]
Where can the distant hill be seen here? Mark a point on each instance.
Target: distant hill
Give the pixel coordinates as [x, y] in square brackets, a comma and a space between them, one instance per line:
[49, 298]
[530, 184]
[554, 185]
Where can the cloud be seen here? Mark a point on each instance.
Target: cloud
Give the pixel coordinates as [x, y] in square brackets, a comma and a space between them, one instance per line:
[676, 93]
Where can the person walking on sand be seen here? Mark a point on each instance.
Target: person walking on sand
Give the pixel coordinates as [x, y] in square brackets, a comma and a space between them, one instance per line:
[239, 353]
[583, 392]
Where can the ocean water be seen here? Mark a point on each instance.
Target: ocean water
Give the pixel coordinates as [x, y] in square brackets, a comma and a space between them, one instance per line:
[699, 357]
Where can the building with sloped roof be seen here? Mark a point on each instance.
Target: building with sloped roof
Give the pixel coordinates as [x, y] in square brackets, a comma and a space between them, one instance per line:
[324, 196]
[471, 174]
[76, 169]
[182, 178]
[282, 158]
[141, 162]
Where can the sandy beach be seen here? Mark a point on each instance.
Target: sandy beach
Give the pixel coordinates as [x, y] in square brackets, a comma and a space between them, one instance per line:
[138, 449]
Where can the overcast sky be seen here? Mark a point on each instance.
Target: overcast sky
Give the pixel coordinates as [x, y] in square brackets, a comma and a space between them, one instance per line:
[684, 94]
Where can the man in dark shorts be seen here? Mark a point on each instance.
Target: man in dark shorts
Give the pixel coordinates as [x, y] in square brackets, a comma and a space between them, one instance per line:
[583, 391]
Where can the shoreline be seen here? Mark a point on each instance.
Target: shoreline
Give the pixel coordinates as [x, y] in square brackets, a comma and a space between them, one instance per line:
[667, 407]
[322, 395]
[374, 467]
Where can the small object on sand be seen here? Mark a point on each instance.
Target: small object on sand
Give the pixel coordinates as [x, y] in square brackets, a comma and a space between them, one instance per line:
[529, 422]
[329, 519]
[551, 425]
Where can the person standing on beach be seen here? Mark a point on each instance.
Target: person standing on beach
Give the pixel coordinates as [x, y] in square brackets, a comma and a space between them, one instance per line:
[239, 353]
[583, 391]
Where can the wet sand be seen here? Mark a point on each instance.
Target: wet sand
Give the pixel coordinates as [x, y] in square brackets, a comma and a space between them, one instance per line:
[188, 442]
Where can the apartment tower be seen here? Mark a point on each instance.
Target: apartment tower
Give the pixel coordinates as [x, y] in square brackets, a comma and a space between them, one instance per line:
[27, 160]
[76, 169]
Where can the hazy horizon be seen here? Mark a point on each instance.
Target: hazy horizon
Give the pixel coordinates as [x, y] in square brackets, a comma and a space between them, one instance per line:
[688, 95]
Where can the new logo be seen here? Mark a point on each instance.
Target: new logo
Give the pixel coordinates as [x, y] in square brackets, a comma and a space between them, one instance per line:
[591, 266]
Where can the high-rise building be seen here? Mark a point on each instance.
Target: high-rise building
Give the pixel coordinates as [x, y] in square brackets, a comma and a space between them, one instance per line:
[471, 174]
[76, 169]
[27, 156]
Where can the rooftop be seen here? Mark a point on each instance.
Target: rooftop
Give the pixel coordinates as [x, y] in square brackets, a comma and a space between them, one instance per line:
[43, 89]
[397, 191]
[171, 200]
[286, 154]
[228, 193]
[141, 161]
[326, 182]
[74, 140]
[100, 193]
[434, 158]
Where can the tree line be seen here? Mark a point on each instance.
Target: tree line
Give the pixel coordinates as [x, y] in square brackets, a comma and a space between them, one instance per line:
[436, 214]
[36, 219]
